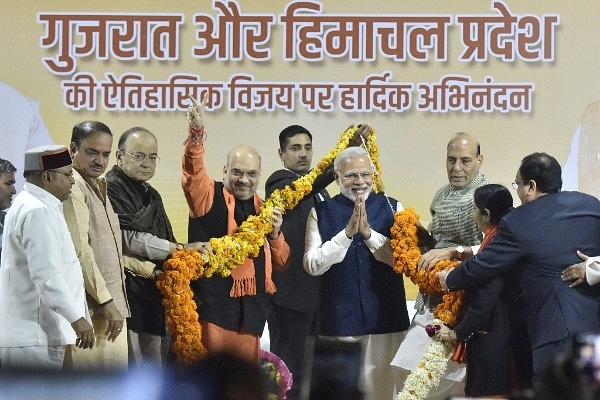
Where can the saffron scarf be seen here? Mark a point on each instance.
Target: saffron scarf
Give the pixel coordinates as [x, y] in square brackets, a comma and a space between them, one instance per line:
[244, 279]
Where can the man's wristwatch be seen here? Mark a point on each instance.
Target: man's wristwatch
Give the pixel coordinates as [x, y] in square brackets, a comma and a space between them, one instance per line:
[460, 250]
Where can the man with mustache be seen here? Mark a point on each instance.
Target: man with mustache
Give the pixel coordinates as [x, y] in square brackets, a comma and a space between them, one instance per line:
[95, 231]
[42, 297]
[348, 244]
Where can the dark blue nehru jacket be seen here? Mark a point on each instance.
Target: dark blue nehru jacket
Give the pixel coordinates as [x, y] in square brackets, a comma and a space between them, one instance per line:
[360, 295]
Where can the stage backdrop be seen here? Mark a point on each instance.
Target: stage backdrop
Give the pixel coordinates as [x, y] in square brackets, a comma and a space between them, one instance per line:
[516, 74]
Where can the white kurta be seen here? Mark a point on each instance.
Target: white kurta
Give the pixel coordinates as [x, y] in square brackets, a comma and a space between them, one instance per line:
[41, 283]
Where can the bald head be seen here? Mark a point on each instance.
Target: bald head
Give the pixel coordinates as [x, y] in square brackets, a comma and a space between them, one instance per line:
[243, 151]
[463, 160]
[242, 171]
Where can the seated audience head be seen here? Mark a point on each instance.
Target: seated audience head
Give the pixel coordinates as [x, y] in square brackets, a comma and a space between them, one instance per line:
[295, 149]
[242, 172]
[7, 183]
[137, 155]
[353, 172]
[463, 160]
[492, 202]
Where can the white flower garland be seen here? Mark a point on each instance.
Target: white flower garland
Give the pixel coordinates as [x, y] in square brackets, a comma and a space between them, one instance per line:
[428, 373]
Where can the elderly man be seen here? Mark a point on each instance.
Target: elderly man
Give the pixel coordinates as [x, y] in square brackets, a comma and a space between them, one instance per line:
[94, 227]
[347, 243]
[232, 310]
[534, 243]
[292, 307]
[456, 236]
[147, 241]
[42, 297]
[7, 191]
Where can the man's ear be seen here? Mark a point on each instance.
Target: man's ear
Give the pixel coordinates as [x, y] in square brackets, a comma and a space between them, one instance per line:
[72, 149]
[486, 215]
[46, 178]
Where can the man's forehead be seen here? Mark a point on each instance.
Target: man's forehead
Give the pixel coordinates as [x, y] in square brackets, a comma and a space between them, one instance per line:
[141, 140]
[7, 176]
[299, 138]
[356, 162]
[244, 163]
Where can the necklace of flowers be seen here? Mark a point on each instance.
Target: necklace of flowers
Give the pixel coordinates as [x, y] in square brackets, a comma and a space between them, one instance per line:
[406, 253]
[231, 250]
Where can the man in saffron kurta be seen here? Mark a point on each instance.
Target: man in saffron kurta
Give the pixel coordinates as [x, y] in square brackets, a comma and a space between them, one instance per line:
[233, 310]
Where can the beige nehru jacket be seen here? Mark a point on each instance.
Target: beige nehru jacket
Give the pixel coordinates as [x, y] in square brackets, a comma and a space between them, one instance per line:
[95, 231]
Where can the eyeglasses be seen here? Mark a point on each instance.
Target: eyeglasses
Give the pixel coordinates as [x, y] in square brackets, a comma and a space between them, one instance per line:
[515, 184]
[353, 176]
[67, 174]
[141, 157]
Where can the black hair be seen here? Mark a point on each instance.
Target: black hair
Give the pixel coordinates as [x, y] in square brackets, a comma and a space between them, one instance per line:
[6, 166]
[496, 199]
[86, 128]
[544, 170]
[292, 131]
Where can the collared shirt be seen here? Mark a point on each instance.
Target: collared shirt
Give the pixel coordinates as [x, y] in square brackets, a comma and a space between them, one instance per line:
[41, 283]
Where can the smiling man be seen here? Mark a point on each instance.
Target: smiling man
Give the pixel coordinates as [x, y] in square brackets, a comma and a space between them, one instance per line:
[233, 309]
[348, 245]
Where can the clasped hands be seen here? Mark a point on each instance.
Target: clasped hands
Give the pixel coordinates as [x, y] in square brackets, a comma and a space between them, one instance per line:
[358, 221]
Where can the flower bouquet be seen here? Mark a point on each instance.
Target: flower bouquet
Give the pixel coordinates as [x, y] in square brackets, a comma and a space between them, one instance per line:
[278, 376]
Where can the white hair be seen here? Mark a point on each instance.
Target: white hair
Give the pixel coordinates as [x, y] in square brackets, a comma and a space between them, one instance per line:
[347, 154]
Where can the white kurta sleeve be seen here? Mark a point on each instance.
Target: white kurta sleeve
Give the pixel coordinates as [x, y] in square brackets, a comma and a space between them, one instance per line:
[592, 270]
[319, 256]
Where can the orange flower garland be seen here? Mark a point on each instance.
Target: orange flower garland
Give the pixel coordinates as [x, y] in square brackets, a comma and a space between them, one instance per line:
[230, 251]
[406, 255]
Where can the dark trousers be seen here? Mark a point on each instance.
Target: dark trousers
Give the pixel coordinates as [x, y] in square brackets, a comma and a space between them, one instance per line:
[288, 330]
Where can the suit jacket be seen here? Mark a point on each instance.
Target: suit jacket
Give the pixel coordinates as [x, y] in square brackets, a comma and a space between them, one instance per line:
[537, 241]
[296, 289]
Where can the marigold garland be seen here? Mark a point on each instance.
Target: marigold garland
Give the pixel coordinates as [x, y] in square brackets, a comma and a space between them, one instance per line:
[406, 255]
[231, 250]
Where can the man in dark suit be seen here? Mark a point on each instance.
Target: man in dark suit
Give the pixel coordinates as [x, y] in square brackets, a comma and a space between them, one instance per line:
[293, 306]
[536, 241]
